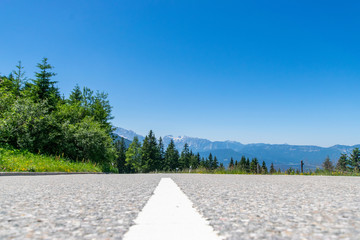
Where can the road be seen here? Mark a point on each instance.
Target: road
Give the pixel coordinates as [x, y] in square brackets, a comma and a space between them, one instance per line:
[277, 207]
[72, 206]
[236, 206]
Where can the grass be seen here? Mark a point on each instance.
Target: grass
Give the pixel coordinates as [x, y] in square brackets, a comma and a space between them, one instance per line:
[13, 160]
[317, 172]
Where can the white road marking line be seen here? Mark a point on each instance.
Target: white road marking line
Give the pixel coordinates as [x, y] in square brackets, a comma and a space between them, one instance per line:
[169, 215]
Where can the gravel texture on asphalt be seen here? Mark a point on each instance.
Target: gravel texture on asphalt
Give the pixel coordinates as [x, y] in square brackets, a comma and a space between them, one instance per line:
[276, 207]
[72, 206]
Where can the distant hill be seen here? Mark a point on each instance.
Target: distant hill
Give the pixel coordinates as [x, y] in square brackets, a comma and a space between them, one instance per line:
[118, 137]
[128, 134]
[282, 155]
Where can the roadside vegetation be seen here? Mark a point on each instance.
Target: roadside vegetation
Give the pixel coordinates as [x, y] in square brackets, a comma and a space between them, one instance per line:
[150, 156]
[347, 165]
[14, 160]
[35, 118]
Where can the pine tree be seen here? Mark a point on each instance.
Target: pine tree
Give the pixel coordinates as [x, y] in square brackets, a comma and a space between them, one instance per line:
[247, 165]
[272, 169]
[161, 154]
[327, 164]
[254, 165]
[231, 164]
[19, 79]
[87, 98]
[185, 157]
[203, 162]
[194, 160]
[101, 111]
[236, 164]
[171, 157]
[198, 160]
[43, 87]
[121, 152]
[215, 164]
[150, 153]
[210, 162]
[355, 159]
[342, 163]
[133, 157]
[207, 164]
[264, 169]
[75, 95]
[242, 164]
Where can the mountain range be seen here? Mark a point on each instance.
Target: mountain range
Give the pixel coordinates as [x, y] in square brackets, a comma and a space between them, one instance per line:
[282, 155]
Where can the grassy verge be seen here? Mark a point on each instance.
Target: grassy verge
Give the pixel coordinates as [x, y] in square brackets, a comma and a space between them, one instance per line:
[13, 160]
[317, 172]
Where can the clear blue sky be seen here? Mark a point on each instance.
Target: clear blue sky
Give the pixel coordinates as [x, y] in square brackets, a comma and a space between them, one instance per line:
[250, 71]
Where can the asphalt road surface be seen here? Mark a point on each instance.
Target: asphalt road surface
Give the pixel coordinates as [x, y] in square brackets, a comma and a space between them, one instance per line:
[72, 206]
[236, 206]
[277, 207]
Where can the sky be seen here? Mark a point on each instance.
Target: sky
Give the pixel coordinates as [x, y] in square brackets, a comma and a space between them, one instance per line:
[249, 71]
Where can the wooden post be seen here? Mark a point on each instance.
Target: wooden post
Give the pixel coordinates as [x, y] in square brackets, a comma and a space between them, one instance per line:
[302, 166]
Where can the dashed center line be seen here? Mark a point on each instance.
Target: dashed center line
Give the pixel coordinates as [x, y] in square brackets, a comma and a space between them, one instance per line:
[169, 214]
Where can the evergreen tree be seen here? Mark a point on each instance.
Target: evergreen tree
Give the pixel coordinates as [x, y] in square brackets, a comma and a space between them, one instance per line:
[133, 157]
[272, 169]
[247, 165]
[75, 95]
[221, 166]
[198, 160]
[236, 164]
[207, 163]
[161, 156]
[264, 169]
[258, 168]
[203, 162]
[231, 164]
[171, 157]
[87, 98]
[185, 157]
[150, 153]
[342, 163]
[194, 160]
[327, 164]
[242, 164]
[19, 78]
[210, 162]
[254, 165]
[355, 159]
[121, 158]
[43, 87]
[215, 163]
[101, 111]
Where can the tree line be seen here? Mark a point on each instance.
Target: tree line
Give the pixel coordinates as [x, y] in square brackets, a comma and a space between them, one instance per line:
[346, 163]
[151, 156]
[253, 166]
